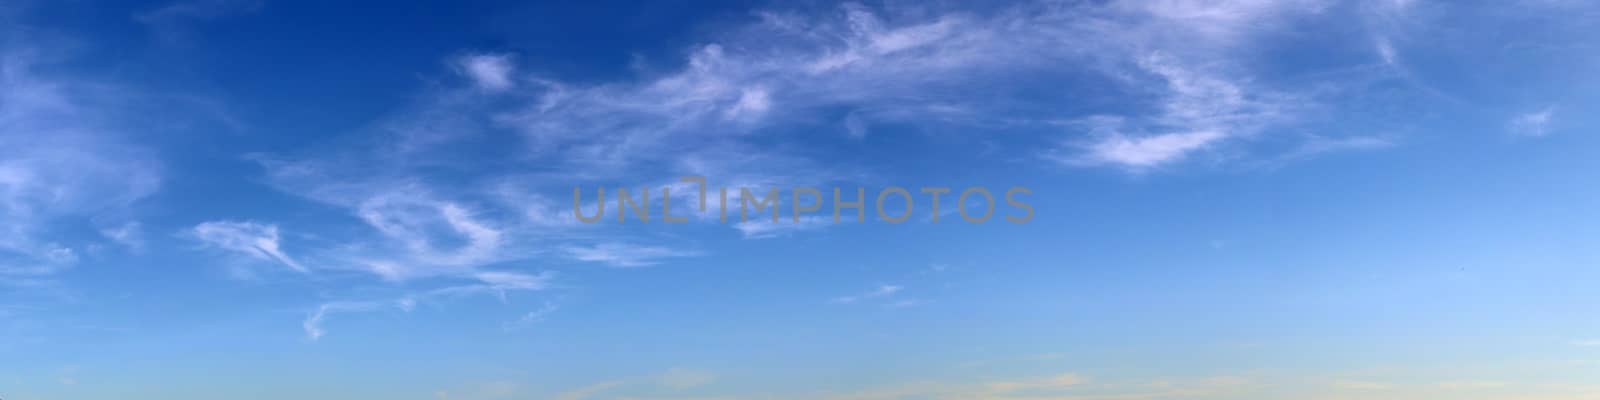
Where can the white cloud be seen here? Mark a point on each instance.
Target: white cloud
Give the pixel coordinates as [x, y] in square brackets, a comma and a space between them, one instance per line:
[417, 234]
[43, 260]
[253, 239]
[488, 71]
[128, 234]
[752, 103]
[880, 64]
[493, 283]
[926, 68]
[923, 68]
[1387, 52]
[879, 292]
[1199, 109]
[1532, 124]
[766, 229]
[313, 322]
[624, 255]
[1149, 151]
[533, 317]
[418, 238]
[1313, 145]
[62, 165]
[496, 283]
[421, 223]
[436, 213]
[1219, 22]
[509, 280]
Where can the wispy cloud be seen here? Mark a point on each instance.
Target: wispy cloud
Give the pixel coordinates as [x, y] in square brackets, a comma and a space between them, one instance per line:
[932, 68]
[1149, 151]
[254, 239]
[497, 283]
[63, 164]
[415, 221]
[929, 69]
[1198, 110]
[189, 10]
[434, 205]
[624, 255]
[313, 322]
[766, 229]
[880, 292]
[128, 234]
[492, 283]
[491, 72]
[417, 233]
[1533, 124]
[533, 317]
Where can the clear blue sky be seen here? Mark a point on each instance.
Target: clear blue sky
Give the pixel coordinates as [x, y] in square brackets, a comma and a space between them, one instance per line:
[1235, 199]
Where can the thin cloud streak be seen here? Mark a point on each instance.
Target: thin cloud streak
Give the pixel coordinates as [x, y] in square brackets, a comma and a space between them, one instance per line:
[253, 239]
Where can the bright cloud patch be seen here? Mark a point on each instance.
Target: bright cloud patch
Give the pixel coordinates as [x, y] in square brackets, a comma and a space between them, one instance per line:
[880, 292]
[249, 238]
[1533, 124]
[489, 72]
[61, 165]
[766, 229]
[624, 255]
[1151, 150]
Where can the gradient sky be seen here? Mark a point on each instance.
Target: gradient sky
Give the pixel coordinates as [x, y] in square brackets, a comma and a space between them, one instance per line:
[1233, 199]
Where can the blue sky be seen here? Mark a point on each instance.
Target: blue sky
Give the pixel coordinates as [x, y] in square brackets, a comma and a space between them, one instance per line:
[1233, 199]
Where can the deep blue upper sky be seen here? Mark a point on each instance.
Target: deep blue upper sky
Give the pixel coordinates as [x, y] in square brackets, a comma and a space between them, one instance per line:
[239, 199]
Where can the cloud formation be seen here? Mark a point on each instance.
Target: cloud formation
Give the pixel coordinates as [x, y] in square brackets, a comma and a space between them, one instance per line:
[1533, 124]
[63, 163]
[930, 69]
[471, 176]
[252, 239]
[880, 292]
[488, 71]
[624, 255]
